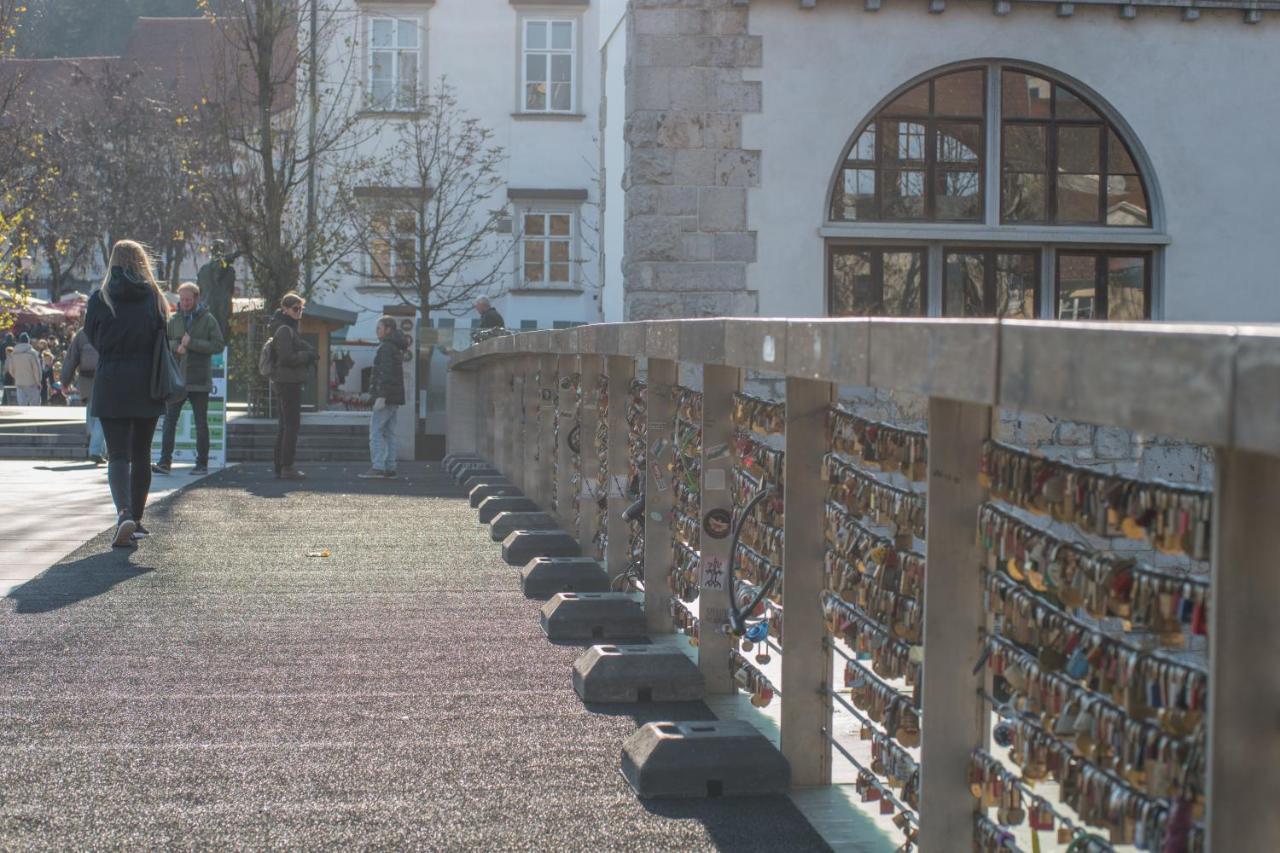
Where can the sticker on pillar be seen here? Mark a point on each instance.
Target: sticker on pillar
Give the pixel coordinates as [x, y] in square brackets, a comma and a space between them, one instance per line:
[718, 451]
[657, 447]
[713, 480]
[717, 523]
[713, 573]
[767, 350]
[618, 486]
[655, 471]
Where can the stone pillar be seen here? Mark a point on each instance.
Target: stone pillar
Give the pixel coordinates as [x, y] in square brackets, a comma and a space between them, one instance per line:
[686, 240]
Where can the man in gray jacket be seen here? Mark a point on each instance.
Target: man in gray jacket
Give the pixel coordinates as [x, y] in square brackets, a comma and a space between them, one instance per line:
[78, 367]
[25, 368]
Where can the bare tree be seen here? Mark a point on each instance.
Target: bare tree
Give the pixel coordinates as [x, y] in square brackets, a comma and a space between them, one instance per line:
[257, 138]
[20, 171]
[425, 220]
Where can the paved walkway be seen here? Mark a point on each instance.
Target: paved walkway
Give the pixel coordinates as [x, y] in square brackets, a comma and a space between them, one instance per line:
[220, 687]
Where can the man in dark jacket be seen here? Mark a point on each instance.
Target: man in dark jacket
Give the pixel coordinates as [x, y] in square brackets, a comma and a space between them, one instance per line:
[489, 316]
[387, 390]
[294, 364]
[78, 367]
[194, 337]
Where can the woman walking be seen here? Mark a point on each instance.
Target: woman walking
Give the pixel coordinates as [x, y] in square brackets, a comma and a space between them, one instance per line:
[122, 320]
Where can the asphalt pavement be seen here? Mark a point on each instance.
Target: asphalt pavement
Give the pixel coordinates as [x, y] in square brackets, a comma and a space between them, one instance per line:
[225, 684]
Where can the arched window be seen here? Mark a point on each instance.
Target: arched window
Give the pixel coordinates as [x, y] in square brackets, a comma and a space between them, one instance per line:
[991, 189]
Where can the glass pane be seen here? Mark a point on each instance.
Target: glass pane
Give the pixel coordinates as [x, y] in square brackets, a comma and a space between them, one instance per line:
[382, 66]
[1076, 285]
[407, 34]
[914, 102]
[561, 68]
[383, 32]
[406, 223]
[1079, 149]
[560, 225]
[959, 143]
[903, 142]
[1025, 148]
[959, 94]
[1126, 288]
[558, 273]
[535, 35]
[559, 251]
[404, 261]
[561, 97]
[380, 260]
[535, 67]
[1017, 283]
[408, 80]
[856, 200]
[964, 275]
[959, 195]
[865, 147]
[535, 96]
[1024, 197]
[854, 293]
[534, 251]
[382, 94]
[535, 224]
[1078, 198]
[1071, 107]
[1118, 160]
[903, 278]
[1024, 96]
[903, 194]
[562, 35]
[1126, 202]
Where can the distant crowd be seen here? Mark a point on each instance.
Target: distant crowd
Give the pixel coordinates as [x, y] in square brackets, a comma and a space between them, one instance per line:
[32, 361]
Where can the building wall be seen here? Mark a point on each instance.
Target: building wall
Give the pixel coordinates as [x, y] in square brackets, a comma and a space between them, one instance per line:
[1199, 97]
[613, 159]
[476, 46]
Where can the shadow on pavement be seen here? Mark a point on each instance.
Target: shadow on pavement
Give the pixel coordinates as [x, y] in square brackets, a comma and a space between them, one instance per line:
[418, 479]
[68, 583]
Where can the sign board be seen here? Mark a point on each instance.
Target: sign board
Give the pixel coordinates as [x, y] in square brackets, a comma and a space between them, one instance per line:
[184, 445]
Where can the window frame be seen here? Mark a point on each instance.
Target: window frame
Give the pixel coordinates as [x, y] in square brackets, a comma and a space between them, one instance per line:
[546, 239]
[877, 266]
[392, 279]
[523, 51]
[989, 254]
[1100, 295]
[418, 25]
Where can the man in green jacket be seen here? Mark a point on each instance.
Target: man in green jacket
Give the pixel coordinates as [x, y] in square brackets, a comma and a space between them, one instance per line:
[194, 336]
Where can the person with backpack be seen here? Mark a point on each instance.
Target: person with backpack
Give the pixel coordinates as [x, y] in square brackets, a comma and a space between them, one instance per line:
[194, 337]
[122, 321]
[27, 370]
[387, 389]
[288, 361]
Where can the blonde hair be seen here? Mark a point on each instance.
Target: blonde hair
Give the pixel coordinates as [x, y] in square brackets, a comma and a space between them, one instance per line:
[133, 258]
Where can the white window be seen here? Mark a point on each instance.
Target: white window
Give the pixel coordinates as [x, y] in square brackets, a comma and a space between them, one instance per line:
[548, 66]
[546, 249]
[393, 247]
[394, 49]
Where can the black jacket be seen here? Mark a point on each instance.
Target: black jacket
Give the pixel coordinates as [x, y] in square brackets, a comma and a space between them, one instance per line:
[491, 319]
[388, 369]
[125, 341]
[294, 356]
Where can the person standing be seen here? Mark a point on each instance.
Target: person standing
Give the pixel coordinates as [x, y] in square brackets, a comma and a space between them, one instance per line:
[387, 390]
[217, 280]
[489, 316]
[46, 376]
[122, 320]
[27, 371]
[79, 367]
[294, 362]
[194, 337]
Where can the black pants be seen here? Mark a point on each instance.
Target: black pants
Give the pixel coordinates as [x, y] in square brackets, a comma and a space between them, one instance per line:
[289, 415]
[173, 413]
[129, 462]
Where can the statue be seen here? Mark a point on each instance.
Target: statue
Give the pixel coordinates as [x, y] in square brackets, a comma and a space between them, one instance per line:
[217, 280]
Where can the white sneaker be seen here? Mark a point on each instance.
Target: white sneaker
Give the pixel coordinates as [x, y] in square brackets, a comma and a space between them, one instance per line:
[124, 533]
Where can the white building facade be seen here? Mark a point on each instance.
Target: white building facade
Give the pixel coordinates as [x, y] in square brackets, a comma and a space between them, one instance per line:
[1075, 160]
[528, 72]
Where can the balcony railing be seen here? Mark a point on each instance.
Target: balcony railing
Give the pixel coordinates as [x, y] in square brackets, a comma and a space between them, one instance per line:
[1087, 650]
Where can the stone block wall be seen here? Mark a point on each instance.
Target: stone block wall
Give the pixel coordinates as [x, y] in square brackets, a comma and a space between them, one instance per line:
[687, 242]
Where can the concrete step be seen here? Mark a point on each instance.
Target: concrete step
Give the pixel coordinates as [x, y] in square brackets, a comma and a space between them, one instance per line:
[76, 437]
[51, 452]
[265, 455]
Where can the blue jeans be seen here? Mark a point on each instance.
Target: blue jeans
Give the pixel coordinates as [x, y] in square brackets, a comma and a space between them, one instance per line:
[382, 438]
[97, 444]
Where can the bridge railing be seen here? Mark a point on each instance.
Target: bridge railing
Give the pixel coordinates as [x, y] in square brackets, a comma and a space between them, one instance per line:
[1119, 633]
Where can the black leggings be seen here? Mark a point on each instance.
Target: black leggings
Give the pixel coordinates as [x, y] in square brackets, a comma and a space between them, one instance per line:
[129, 462]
